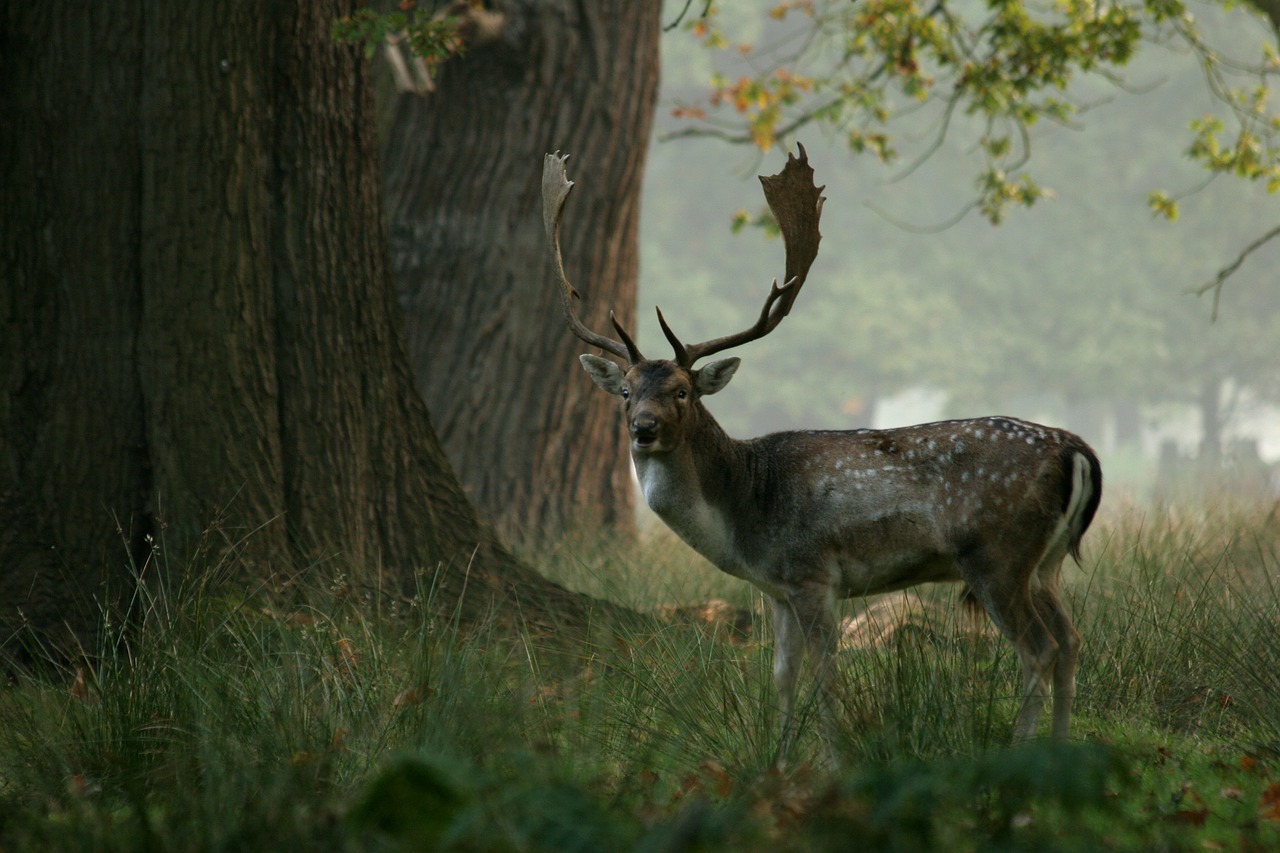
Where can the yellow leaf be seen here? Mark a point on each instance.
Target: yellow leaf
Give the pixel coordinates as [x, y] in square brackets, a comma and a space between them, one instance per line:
[715, 774]
[79, 689]
[1269, 803]
[410, 696]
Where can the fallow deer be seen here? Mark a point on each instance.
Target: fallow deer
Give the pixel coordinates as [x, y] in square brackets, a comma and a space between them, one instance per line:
[813, 516]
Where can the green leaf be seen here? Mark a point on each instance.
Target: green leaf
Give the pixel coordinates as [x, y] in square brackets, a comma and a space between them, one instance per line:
[1162, 205]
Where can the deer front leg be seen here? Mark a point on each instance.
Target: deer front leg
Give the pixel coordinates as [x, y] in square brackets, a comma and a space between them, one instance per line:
[805, 620]
[788, 650]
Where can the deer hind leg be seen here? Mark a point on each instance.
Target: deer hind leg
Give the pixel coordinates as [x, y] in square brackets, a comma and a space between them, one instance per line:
[805, 620]
[1010, 603]
[1052, 612]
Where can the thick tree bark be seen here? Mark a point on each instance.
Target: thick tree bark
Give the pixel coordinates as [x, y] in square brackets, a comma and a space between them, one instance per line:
[201, 348]
[537, 448]
[72, 457]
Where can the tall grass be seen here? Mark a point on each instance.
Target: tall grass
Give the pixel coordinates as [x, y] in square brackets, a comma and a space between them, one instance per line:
[1181, 612]
[220, 720]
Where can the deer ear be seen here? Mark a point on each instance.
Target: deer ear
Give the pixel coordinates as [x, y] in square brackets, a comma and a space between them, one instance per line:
[603, 372]
[716, 375]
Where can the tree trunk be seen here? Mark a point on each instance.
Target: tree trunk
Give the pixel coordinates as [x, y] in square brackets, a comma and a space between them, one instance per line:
[201, 349]
[1211, 423]
[72, 427]
[1128, 422]
[538, 449]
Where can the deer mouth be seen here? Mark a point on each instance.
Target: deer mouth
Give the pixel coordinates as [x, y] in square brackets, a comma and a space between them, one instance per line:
[644, 438]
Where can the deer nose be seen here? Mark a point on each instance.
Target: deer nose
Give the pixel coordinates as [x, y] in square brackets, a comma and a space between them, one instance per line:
[644, 428]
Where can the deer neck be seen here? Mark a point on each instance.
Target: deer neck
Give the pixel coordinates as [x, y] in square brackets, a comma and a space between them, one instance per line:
[692, 486]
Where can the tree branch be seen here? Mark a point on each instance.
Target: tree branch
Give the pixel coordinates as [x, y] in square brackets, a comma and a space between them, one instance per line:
[1270, 8]
[744, 137]
[1230, 269]
[706, 9]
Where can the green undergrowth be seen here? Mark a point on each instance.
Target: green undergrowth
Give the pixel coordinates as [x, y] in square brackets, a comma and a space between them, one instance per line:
[338, 721]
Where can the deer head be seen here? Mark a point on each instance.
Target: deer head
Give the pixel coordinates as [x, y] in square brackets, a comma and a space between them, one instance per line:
[661, 397]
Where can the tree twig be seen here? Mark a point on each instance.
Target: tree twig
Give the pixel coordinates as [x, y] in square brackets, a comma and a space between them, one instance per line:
[1230, 269]
[687, 3]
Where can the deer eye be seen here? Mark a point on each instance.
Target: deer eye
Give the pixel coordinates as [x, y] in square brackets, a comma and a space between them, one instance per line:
[626, 393]
[681, 394]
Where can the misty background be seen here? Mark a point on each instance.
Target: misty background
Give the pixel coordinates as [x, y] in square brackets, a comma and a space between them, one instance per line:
[1078, 312]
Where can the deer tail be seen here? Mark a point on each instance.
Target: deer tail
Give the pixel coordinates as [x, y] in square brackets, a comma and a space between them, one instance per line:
[1083, 476]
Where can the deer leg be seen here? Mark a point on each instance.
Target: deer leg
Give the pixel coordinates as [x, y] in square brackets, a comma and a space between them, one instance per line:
[1037, 652]
[1064, 668]
[788, 649]
[1054, 615]
[1011, 607]
[811, 615]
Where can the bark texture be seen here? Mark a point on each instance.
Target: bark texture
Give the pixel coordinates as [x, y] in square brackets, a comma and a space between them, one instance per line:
[536, 447]
[201, 346]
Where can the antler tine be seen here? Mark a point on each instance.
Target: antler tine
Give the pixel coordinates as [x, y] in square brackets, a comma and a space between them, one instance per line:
[797, 206]
[633, 352]
[682, 357]
[555, 189]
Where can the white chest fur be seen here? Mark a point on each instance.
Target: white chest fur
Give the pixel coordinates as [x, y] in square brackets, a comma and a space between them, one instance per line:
[674, 497]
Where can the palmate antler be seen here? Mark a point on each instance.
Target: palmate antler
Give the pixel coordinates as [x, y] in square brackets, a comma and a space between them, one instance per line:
[555, 189]
[797, 206]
